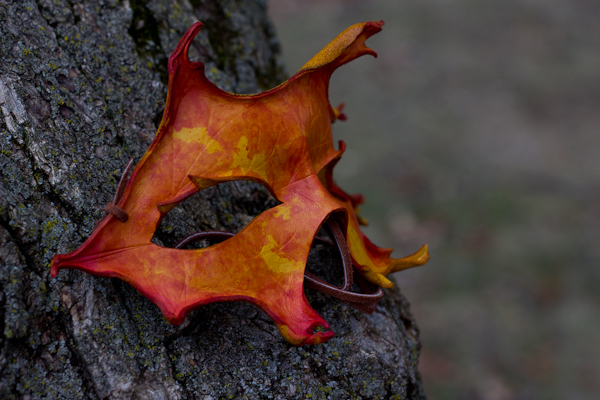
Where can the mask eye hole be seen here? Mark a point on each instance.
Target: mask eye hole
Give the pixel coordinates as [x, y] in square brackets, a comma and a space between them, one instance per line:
[227, 207]
[324, 258]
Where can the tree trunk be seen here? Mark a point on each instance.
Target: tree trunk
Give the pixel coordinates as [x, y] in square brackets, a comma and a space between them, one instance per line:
[82, 89]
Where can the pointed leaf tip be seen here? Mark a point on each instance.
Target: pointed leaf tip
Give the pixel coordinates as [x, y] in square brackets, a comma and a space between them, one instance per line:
[180, 54]
[420, 257]
[350, 41]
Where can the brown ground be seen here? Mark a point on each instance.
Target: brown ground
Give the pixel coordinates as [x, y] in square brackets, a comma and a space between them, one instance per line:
[477, 130]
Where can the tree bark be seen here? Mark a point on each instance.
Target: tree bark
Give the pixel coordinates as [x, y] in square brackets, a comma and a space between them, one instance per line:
[82, 89]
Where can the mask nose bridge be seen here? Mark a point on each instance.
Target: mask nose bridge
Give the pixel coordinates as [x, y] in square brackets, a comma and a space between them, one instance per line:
[311, 189]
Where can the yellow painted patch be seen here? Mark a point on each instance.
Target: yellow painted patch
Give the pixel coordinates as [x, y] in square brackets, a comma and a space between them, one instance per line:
[377, 279]
[240, 158]
[275, 262]
[414, 260]
[373, 273]
[199, 135]
[357, 248]
[283, 210]
[256, 164]
[335, 48]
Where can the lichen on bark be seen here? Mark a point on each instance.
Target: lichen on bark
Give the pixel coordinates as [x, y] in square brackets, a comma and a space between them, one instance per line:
[82, 88]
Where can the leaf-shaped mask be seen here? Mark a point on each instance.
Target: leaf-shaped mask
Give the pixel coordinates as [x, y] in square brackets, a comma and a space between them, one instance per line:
[281, 138]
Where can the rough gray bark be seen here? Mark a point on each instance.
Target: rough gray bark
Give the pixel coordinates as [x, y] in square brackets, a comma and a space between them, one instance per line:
[82, 87]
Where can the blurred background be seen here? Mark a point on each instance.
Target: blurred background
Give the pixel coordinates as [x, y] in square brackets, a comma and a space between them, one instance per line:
[477, 131]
